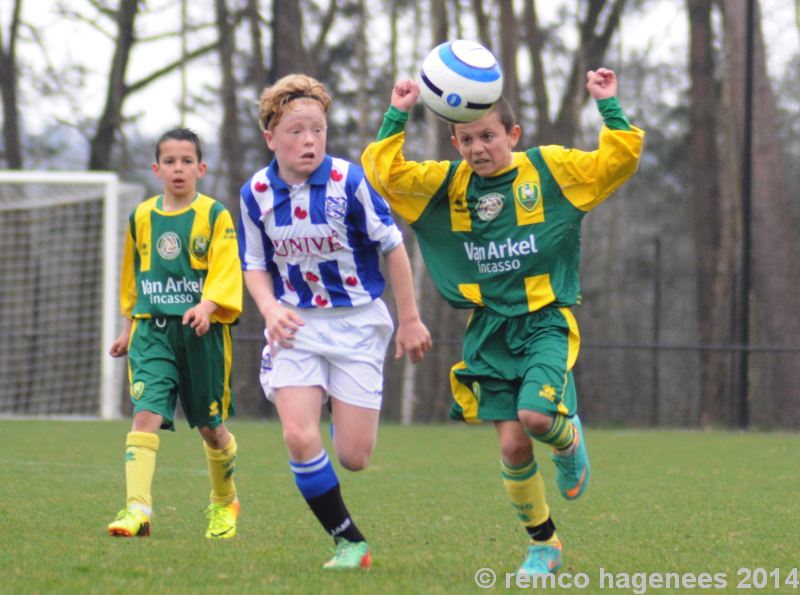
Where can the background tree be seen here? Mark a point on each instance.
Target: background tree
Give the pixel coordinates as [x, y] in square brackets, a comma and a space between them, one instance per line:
[231, 140]
[775, 270]
[8, 89]
[661, 261]
[712, 211]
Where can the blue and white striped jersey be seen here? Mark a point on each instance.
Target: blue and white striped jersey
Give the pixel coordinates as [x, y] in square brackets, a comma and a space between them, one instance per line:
[321, 240]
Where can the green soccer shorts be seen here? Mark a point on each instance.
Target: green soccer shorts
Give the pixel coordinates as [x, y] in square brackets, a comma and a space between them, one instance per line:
[513, 363]
[167, 361]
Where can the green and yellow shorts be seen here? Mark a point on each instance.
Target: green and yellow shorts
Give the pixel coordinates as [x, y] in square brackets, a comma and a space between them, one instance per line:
[513, 363]
[167, 361]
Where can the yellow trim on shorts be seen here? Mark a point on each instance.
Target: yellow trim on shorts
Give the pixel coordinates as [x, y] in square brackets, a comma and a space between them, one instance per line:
[228, 349]
[574, 340]
[464, 396]
[134, 324]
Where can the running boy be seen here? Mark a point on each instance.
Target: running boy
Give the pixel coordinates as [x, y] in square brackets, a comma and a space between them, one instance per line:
[311, 235]
[500, 233]
[181, 290]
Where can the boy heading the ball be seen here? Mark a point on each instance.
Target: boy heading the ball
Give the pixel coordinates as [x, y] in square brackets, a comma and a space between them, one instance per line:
[500, 233]
[181, 290]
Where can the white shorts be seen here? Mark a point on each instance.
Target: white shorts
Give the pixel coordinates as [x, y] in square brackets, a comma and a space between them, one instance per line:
[340, 349]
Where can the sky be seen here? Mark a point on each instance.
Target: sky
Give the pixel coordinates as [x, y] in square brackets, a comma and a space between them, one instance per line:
[663, 29]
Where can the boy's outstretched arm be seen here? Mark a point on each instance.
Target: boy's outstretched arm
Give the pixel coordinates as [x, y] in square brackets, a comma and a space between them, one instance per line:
[412, 335]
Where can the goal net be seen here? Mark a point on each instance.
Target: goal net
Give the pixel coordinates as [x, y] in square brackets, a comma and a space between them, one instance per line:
[61, 237]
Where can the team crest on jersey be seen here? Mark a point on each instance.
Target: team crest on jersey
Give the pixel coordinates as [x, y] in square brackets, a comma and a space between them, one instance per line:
[489, 206]
[137, 390]
[335, 207]
[528, 195]
[199, 247]
[168, 245]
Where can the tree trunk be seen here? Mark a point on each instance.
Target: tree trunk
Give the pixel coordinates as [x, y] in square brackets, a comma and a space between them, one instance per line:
[590, 54]
[541, 98]
[111, 119]
[8, 89]
[288, 53]
[509, 42]
[775, 272]
[712, 223]
[232, 149]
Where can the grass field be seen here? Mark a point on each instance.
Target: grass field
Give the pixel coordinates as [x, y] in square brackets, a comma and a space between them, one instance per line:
[431, 505]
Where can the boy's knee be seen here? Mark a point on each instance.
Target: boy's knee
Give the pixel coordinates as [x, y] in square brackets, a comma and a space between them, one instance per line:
[216, 438]
[354, 457]
[298, 439]
[354, 461]
[516, 452]
[535, 423]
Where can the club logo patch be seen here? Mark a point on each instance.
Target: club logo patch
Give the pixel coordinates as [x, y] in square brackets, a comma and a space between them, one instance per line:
[528, 195]
[168, 245]
[199, 247]
[489, 206]
[137, 390]
[335, 207]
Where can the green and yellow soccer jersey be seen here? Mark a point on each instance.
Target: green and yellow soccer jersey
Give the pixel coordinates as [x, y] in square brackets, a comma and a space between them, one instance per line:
[175, 259]
[509, 242]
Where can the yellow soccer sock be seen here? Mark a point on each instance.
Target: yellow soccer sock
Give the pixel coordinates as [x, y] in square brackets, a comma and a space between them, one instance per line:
[140, 465]
[561, 434]
[221, 465]
[525, 488]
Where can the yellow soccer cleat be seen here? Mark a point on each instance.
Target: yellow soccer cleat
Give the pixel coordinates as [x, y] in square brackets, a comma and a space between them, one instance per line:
[130, 522]
[222, 520]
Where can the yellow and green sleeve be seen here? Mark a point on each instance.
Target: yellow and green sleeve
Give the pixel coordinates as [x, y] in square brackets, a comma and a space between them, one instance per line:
[127, 286]
[223, 284]
[588, 178]
[407, 186]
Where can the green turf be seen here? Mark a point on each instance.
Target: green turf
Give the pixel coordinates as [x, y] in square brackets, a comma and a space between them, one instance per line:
[431, 504]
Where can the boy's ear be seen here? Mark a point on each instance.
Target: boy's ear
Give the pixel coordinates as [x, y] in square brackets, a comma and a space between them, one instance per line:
[269, 139]
[514, 135]
[454, 142]
[155, 169]
[201, 169]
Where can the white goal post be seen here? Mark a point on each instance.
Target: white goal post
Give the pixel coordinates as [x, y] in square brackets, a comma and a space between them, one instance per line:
[60, 248]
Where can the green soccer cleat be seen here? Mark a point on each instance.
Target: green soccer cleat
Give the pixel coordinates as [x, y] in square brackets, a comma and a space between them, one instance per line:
[130, 522]
[572, 466]
[222, 520]
[542, 559]
[350, 554]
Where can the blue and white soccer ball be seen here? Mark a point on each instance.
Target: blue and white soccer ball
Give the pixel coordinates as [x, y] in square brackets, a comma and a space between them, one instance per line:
[460, 81]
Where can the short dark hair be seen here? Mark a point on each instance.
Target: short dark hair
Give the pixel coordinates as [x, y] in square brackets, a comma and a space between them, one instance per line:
[504, 110]
[180, 134]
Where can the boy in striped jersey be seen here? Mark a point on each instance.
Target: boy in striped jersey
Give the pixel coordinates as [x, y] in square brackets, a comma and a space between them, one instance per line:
[312, 232]
[181, 290]
[500, 233]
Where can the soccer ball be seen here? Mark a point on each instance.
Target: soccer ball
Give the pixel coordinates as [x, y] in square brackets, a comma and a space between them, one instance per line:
[460, 81]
